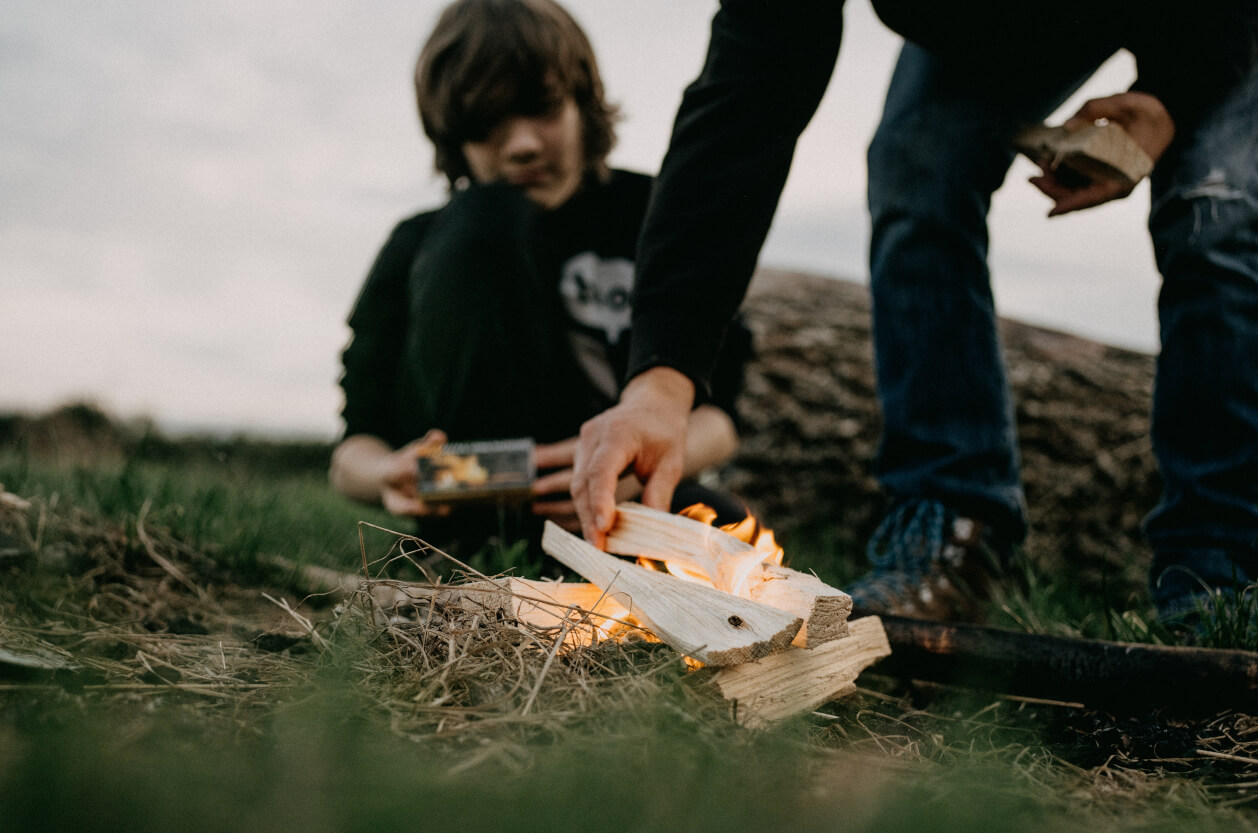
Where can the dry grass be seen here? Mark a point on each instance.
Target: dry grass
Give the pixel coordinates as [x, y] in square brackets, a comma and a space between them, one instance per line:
[124, 619]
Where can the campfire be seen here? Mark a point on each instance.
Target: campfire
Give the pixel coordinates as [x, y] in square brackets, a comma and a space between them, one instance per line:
[775, 641]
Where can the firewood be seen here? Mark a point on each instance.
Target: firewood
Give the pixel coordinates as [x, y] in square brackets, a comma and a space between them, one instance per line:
[709, 625]
[825, 609]
[734, 566]
[548, 603]
[542, 604]
[1099, 152]
[662, 536]
[799, 680]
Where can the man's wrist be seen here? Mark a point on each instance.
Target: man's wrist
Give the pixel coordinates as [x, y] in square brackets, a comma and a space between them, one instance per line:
[661, 383]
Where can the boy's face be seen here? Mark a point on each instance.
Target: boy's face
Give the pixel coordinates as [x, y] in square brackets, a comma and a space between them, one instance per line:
[543, 154]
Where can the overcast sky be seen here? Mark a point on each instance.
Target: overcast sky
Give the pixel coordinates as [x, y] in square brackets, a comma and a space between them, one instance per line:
[191, 193]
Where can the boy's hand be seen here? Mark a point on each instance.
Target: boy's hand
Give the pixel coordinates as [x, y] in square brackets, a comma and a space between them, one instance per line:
[399, 492]
[1142, 116]
[646, 431]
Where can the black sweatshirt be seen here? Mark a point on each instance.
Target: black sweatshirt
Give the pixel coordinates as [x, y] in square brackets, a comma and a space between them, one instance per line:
[601, 222]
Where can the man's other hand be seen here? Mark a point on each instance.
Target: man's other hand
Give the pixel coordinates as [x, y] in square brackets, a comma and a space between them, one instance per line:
[1147, 122]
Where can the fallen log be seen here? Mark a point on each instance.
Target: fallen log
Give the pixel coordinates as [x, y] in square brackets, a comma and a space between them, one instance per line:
[799, 680]
[698, 621]
[734, 566]
[1116, 676]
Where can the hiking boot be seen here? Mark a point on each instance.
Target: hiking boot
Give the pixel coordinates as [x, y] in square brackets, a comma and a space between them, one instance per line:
[930, 563]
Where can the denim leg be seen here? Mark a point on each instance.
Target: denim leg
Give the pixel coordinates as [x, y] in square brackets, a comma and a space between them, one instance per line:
[1204, 224]
[940, 151]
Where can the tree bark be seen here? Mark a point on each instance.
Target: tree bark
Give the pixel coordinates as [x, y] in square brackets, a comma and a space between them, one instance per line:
[810, 426]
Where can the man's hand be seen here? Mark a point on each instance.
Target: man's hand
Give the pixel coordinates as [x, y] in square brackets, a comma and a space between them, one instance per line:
[1143, 117]
[555, 487]
[646, 430]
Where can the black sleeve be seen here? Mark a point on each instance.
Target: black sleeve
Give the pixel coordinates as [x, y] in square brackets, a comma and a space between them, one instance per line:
[767, 67]
[730, 373]
[378, 326]
[1190, 55]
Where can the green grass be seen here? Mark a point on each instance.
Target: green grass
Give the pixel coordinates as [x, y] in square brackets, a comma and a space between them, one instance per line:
[328, 738]
[324, 761]
[1230, 619]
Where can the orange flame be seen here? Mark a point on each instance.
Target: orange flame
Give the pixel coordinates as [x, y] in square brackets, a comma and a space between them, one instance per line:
[748, 530]
[735, 579]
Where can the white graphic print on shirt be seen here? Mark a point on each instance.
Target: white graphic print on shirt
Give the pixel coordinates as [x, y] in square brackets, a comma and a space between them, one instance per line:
[597, 292]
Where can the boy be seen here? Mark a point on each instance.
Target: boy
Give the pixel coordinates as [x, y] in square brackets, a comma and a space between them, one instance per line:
[505, 313]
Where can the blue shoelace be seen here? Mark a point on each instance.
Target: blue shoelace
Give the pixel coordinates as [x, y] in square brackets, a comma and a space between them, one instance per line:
[902, 550]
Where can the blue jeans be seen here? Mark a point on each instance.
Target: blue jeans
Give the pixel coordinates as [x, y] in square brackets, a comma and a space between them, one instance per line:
[1204, 224]
[940, 152]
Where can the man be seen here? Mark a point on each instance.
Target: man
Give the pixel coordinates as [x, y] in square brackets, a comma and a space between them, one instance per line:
[970, 74]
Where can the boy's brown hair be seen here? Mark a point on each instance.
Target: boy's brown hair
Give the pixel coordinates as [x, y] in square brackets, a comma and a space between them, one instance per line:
[487, 60]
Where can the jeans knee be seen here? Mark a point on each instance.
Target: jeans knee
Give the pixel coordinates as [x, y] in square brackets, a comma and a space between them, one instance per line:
[1206, 224]
[1204, 213]
[889, 161]
[941, 180]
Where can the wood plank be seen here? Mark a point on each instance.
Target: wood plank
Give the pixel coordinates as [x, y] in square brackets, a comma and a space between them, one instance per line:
[824, 609]
[734, 566]
[800, 680]
[1098, 152]
[709, 625]
[541, 604]
[649, 533]
[549, 604]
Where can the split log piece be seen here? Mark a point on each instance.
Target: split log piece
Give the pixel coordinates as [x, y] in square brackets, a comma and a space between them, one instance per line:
[734, 566]
[540, 603]
[702, 622]
[1099, 152]
[799, 680]
[543, 604]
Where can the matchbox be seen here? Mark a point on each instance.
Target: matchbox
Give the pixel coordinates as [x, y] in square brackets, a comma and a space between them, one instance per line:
[482, 470]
